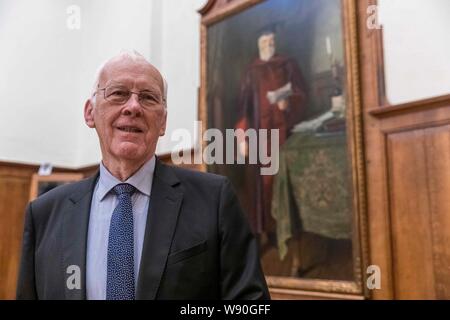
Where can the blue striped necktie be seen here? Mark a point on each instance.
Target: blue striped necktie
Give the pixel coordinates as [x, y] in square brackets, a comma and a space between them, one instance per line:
[120, 269]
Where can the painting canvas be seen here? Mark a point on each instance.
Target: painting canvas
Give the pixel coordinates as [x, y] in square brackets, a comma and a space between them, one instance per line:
[281, 64]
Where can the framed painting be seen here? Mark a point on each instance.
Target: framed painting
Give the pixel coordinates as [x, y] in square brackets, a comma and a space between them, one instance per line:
[288, 69]
[41, 184]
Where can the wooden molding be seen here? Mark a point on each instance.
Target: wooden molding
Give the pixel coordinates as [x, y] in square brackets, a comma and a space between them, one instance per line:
[410, 107]
[216, 10]
[314, 285]
[204, 10]
[26, 166]
[288, 294]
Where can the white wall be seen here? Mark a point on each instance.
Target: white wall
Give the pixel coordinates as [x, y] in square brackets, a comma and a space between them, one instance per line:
[47, 71]
[180, 64]
[38, 120]
[416, 48]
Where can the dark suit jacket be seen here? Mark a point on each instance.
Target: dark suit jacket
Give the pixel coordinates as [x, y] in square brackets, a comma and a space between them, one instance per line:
[197, 242]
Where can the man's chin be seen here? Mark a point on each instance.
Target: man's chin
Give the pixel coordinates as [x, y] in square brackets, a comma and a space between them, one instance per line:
[129, 151]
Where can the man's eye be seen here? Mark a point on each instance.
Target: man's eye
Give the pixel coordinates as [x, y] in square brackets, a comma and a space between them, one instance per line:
[147, 97]
[119, 93]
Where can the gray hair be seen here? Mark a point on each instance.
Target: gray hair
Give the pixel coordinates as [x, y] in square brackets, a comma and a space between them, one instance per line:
[135, 57]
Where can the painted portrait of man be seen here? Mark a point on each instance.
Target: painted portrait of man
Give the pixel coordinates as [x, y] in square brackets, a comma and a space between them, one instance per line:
[272, 96]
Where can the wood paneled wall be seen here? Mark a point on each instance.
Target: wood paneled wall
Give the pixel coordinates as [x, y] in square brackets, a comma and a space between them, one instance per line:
[14, 188]
[15, 183]
[407, 150]
[409, 176]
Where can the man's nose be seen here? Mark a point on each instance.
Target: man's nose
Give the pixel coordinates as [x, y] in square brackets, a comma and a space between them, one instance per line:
[133, 107]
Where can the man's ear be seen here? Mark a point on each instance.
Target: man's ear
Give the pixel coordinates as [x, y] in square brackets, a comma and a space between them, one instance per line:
[89, 113]
[162, 130]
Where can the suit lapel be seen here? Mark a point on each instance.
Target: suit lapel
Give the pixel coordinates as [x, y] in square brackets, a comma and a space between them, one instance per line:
[74, 237]
[165, 203]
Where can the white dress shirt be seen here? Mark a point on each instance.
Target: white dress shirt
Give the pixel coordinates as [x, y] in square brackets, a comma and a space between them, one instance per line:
[104, 202]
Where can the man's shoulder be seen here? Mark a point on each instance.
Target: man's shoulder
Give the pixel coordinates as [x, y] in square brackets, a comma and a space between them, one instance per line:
[200, 186]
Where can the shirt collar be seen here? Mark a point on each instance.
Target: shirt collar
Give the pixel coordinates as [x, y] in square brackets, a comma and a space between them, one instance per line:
[141, 180]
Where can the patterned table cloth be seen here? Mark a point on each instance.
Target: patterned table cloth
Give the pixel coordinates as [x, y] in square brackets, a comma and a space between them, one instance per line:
[312, 190]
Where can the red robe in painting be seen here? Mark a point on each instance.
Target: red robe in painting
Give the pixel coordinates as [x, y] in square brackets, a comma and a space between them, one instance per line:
[256, 111]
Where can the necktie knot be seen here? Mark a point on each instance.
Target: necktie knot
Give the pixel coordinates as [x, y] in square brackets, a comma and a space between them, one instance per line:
[124, 188]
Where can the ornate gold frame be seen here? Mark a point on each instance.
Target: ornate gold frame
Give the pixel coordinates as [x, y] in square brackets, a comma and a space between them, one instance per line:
[283, 287]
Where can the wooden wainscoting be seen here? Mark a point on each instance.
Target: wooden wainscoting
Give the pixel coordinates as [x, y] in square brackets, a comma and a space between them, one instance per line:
[14, 189]
[407, 151]
[409, 181]
[15, 182]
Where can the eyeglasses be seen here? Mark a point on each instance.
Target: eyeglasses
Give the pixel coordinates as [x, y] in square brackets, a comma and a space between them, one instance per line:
[120, 95]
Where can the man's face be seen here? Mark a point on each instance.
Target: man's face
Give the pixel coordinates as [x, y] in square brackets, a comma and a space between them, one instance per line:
[266, 45]
[127, 132]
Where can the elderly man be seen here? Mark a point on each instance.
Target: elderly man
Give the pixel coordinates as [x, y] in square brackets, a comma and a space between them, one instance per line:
[139, 229]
